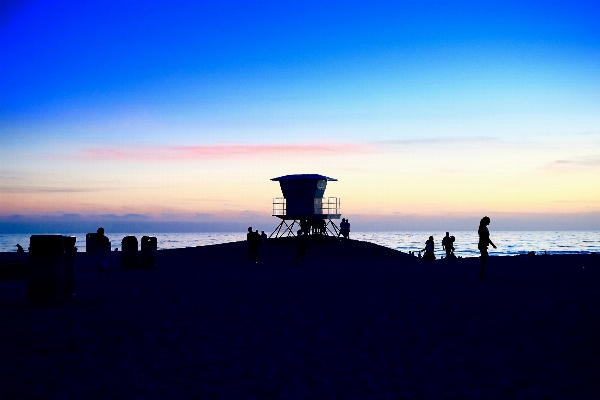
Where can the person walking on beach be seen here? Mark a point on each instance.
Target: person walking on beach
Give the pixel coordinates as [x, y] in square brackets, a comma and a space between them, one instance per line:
[301, 247]
[429, 249]
[253, 239]
[305, 226]
[342, 228]
[345, 229]
[447, 245]
[322, 227]
[102, 252]
[484, 241]
[258, 240]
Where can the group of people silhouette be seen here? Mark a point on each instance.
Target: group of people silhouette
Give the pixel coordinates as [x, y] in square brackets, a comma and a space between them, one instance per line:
[255, 240]
[448, 245]
[313, 227]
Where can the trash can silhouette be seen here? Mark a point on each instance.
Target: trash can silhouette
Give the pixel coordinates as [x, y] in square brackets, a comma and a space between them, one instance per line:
[46, 269]
[149, 248]
[129, 252]
[90, 243]
[70, 269]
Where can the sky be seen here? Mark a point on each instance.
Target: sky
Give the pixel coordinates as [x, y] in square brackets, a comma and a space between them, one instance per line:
[430, 114]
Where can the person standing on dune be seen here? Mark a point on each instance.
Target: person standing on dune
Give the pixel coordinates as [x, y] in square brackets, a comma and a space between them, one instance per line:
[429, 249]
[447, 245]
[484, 241]
[301, 247]
[102, 252]
[253, 239]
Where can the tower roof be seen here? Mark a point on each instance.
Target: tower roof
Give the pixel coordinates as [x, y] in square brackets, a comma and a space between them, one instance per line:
[303, 176]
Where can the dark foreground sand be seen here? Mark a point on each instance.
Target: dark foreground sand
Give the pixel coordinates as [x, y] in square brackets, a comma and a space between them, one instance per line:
[356, 321]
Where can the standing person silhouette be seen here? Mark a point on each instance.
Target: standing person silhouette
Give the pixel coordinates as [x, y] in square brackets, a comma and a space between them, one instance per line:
[253, 239]
[429, 249]
[447, 244]
[301, 247]
[452, 240]
[102, 252]
[484, 241]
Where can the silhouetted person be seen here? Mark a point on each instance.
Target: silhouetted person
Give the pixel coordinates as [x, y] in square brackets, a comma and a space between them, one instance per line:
[253, 239]
[484, 241]
[20, 248]
[452, 240]
[305, 226]
[102, 252]
[258, 241]
[301, 247]
[447, 244]
[345, 228]
[429, 249]
[263, 237]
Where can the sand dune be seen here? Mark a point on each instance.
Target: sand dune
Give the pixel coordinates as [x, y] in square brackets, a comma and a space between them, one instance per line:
[355, 321]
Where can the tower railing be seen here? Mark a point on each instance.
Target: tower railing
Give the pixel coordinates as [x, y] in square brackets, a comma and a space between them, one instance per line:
[279, 206]
[328, 205]
[322, 206]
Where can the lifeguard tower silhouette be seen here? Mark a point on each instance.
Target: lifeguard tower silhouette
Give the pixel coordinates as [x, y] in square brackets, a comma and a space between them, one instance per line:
[303, 204]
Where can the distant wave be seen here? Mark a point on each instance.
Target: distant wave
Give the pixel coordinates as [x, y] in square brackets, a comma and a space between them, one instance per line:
[508, 242]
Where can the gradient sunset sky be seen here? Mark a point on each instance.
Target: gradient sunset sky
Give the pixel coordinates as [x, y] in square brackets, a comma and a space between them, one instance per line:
[183, 111]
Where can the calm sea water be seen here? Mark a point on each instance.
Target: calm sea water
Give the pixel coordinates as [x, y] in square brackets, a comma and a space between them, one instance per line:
[508, 242]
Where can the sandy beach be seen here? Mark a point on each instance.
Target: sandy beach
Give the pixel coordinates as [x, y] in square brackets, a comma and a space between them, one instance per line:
[355, 321]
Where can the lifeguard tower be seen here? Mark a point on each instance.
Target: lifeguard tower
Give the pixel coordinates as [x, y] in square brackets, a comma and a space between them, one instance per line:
[303, 204]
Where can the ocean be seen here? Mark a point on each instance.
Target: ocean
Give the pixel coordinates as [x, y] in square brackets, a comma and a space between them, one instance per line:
[508, 242]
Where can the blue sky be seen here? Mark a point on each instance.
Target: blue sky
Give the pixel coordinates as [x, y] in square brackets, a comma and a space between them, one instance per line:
[407, 93]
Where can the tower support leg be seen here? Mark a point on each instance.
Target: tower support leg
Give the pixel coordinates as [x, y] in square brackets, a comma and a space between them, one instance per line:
[336, 231]
[277, 229]
[288, 229]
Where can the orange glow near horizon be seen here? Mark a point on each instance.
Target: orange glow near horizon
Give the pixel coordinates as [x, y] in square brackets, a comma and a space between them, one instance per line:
[374, 180]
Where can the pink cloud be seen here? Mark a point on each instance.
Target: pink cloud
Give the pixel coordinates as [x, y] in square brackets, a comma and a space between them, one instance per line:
[178, 153]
